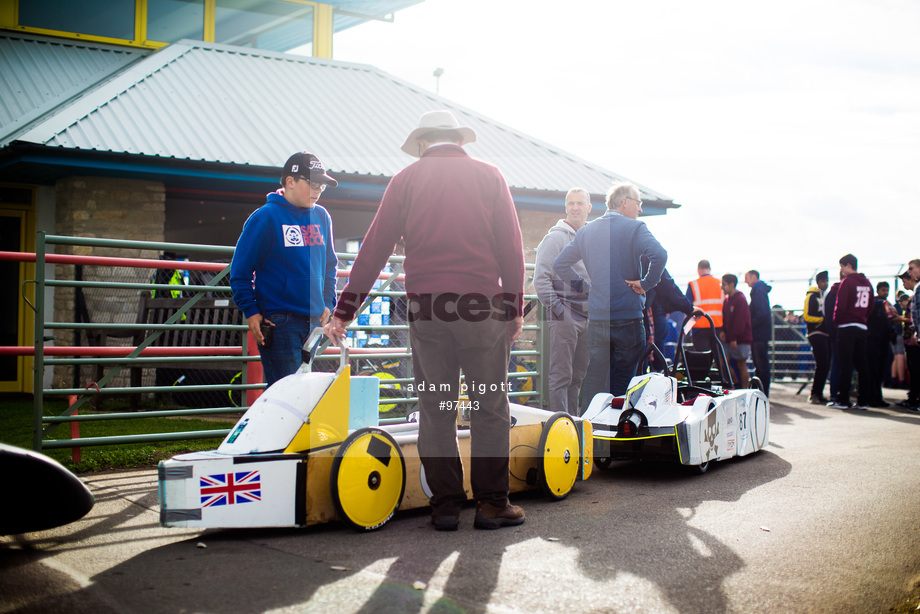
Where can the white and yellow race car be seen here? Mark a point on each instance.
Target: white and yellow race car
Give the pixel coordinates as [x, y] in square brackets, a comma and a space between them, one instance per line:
[309, 451]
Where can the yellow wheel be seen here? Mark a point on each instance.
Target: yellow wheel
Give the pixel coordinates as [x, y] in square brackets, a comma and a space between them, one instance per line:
[388, 390]
[524, 384]
[560, 451]
[236, 396]
[368, 478]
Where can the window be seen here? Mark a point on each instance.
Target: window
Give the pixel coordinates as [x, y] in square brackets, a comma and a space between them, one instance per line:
[109, 18]
[272, 25]
[171, 20]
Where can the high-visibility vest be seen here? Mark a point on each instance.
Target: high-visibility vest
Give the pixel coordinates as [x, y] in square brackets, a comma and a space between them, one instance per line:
[707, 295]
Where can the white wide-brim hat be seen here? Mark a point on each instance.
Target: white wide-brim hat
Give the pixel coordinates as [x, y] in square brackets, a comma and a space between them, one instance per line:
[433, 121]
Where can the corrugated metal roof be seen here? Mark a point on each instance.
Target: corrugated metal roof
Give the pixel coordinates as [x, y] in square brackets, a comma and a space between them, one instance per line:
[39, 74]
[219, 103]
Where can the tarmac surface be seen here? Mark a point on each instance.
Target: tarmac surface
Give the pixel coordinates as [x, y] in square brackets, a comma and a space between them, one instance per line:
[825, 519]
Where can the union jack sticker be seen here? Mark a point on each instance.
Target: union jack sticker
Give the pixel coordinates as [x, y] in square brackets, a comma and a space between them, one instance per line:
[230, 488]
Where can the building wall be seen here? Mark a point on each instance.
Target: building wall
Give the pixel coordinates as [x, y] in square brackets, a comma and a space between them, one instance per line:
[534, 226]
[109, 208]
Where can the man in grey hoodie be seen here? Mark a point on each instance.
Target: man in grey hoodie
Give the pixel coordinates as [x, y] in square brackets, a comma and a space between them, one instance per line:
[566, 306]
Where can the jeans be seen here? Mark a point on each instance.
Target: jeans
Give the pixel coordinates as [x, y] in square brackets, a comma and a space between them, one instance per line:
[284, 356]
[761, 364]
[612, 343]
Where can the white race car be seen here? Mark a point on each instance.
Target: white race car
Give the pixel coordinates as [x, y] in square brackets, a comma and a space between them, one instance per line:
[690, 414]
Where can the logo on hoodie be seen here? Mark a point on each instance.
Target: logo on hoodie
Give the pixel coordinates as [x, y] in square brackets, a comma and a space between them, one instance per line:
[293, 237]
[299, 236]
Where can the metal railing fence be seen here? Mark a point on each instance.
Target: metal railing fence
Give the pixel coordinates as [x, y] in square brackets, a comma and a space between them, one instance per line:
[379, 336]
[98, 286]
[117, 299]
[790, 353]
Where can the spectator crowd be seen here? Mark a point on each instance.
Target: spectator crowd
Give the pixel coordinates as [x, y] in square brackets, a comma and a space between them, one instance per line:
[853, 328]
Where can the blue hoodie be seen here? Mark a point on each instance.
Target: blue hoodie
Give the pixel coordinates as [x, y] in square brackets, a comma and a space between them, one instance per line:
[290, 251]
[761, 316]
[611, 247]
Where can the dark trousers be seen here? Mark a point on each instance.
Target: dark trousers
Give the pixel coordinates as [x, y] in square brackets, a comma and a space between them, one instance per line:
[615, 346]
[440, 349]
[912, 353]
[761, 364]
[851, 354]
[877, 358]
[821, 350]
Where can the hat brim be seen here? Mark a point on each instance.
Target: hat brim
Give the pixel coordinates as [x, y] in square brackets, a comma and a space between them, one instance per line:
[467, 135]
[324, 178]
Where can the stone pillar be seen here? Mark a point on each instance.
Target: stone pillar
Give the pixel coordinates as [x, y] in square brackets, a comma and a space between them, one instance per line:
[106, 208]
[110, 208]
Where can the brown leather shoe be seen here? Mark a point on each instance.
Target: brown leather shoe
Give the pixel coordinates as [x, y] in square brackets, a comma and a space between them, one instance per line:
[490, 516]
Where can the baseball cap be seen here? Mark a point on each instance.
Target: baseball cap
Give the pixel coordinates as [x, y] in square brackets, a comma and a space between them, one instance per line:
[905, 276]
[306, 166]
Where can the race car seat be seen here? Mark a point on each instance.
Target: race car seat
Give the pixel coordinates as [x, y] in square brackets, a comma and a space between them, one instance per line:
[699, 364]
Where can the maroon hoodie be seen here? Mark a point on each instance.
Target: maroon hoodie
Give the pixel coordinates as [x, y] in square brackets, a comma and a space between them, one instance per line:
[855, 300]
[736, 319]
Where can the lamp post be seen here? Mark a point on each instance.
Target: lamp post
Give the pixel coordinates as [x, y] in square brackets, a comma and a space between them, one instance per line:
[437, 80]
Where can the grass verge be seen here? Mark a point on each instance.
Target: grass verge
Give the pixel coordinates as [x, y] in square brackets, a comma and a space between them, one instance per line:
[16, 429]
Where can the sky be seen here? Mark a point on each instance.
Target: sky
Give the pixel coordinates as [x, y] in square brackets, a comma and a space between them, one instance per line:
[789, 131]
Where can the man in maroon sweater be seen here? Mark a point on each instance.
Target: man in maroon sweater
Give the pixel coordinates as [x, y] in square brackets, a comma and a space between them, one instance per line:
[736, 327]
[465, 282]
[855, 300]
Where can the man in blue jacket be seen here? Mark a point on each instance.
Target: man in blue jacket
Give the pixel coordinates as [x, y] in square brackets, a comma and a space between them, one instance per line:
[611, 248]
[283, 269]
[761, 327]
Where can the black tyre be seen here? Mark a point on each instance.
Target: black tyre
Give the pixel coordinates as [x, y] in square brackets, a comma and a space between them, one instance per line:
[699, 469]
[603, 462]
